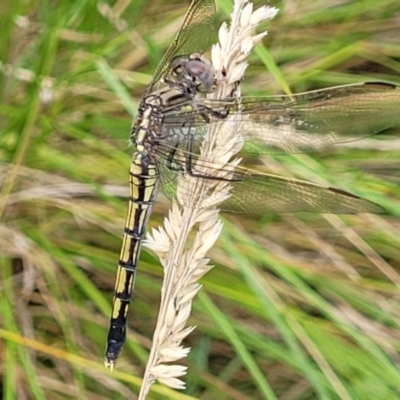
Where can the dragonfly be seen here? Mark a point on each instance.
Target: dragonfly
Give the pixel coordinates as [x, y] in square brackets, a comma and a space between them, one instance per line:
[170, 126]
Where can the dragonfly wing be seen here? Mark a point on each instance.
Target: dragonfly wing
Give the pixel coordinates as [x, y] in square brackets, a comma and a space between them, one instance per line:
[261, 193]
[168, 180]
[319, 119]
[311, 121]
[303, 122]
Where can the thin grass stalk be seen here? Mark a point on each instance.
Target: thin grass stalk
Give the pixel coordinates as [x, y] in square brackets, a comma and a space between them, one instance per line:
[197, 204]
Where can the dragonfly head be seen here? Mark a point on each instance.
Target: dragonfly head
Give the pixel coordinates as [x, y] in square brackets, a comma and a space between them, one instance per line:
[194, 69]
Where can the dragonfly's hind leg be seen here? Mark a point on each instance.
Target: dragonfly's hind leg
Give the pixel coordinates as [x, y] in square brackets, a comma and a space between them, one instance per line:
[189, 165]
[170, 164]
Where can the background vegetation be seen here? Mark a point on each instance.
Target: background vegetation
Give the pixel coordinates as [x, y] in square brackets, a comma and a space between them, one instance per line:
[298, 306]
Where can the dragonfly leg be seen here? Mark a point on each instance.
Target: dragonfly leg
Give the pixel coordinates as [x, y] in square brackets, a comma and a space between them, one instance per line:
[189, 165]
[170, 161]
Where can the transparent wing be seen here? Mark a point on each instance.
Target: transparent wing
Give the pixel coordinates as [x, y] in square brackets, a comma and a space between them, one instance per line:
[307, 121]
[192, 37]
[260, 193]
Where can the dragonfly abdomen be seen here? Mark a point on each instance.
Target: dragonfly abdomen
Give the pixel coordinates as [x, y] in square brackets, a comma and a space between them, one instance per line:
[143, 185]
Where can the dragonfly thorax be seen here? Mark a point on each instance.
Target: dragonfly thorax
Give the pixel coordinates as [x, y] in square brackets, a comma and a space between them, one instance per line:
[189, 76]
[148, 129]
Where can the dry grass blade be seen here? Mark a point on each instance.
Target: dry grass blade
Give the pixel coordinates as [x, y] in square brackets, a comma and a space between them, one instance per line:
[198, 206]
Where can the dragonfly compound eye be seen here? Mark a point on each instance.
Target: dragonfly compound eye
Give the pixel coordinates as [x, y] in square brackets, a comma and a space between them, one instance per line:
[195, 69]
[202, 73]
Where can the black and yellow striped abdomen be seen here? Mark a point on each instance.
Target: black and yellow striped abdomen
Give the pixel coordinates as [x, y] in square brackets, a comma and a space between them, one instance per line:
[143, 184]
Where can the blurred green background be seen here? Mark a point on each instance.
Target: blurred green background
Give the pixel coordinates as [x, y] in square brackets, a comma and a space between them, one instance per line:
[298, 306]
